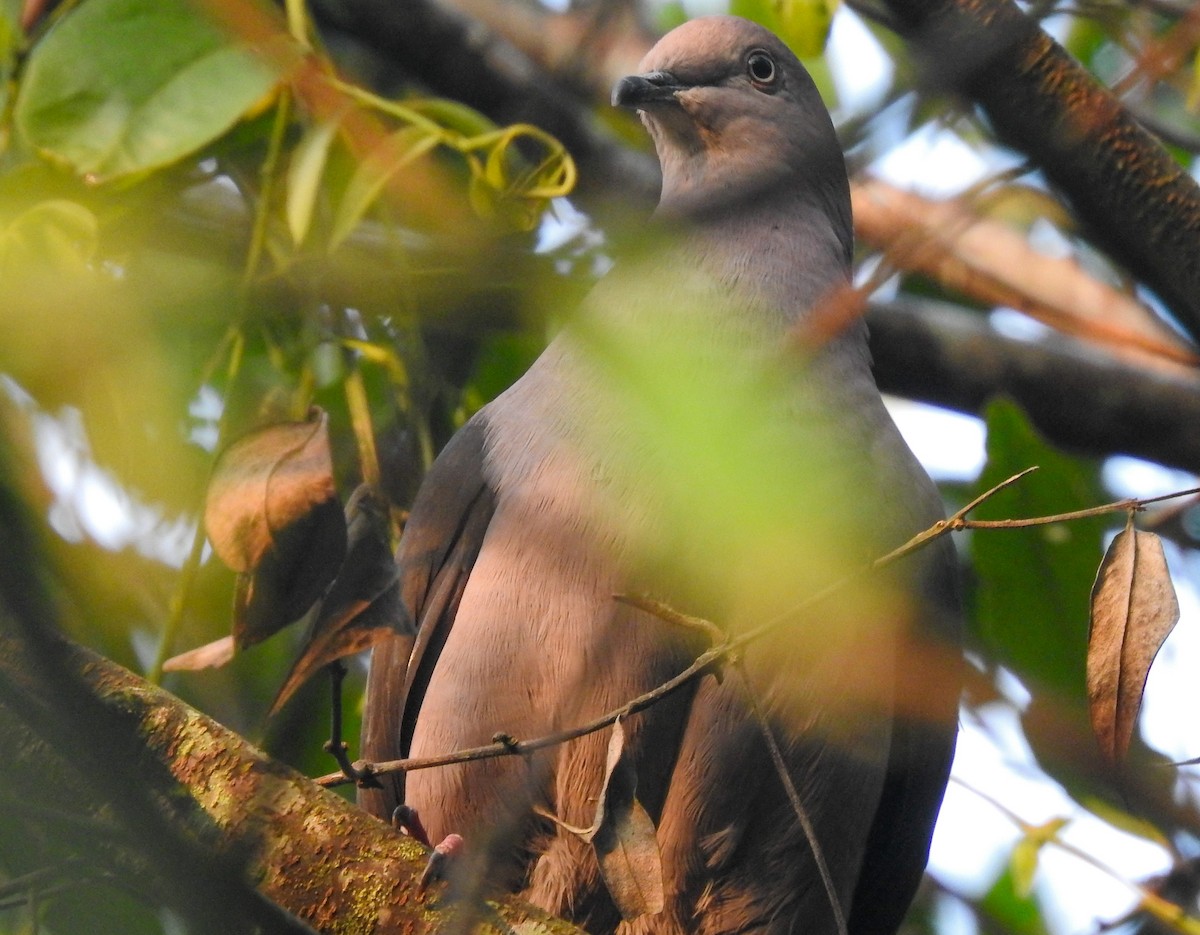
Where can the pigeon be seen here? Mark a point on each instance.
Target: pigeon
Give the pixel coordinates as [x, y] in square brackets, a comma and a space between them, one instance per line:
[679, 441]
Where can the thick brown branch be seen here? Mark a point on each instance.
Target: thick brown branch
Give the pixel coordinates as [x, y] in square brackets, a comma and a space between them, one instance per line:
[1138, 202]
[1079, 397]
[301, 847]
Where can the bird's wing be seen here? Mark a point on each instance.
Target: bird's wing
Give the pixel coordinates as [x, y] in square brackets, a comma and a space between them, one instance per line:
[441, 541]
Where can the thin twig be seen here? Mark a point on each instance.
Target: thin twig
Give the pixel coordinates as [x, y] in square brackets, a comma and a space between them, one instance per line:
[1154, 904]
[802, 816]
[335, 746]
[710, 659]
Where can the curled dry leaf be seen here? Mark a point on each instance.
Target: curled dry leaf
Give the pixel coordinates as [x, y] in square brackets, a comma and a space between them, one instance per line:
[272, 514]
[292, 575]
[264, 482]
[1134, 609]
[623, 837]
[364, 600]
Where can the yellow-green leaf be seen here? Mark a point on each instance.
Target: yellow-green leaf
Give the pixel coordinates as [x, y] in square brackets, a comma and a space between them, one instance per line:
[1024, 859]
[56, 234]
[389, 157]
[304, 176]
[804, 24]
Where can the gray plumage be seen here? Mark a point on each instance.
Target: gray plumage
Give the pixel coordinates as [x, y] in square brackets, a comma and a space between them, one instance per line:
[545, 505]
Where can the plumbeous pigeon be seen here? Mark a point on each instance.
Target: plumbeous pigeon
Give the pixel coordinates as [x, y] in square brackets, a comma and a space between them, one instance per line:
[548, 504]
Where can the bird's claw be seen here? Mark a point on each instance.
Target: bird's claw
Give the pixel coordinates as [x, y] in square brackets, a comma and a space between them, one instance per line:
[406, 820]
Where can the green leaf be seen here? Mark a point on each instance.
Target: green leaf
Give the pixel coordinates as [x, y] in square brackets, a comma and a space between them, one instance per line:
[453, 116]
[1035, 583]
[127, 86]
[503, 357]
[11, 37]
[304, 176]
[1193, 94]
[1024, 858]
[802, 24]
[55, 235]
[389, 157]
[1007, 910]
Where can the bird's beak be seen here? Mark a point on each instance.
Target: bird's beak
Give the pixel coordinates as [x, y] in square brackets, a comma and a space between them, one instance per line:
[639, 90]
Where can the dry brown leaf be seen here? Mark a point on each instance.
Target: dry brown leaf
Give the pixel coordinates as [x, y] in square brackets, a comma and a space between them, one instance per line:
[992, 263]
[364, 600]
[623, 838]
[209, 656]
[292, 575]
[272, 514]
[1134, 609]
[264, 482]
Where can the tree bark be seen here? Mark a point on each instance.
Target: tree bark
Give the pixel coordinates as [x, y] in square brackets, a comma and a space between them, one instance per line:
[1078, 396]
[277, 835]
[1138, 203]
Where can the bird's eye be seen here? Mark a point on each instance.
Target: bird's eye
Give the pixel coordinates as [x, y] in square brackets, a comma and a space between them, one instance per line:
[761, 68]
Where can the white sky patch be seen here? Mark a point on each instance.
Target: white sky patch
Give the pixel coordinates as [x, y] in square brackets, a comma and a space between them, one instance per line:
[973, 839]
[1133, 477]
[1172, 689]
[206, 409]
[562, 224]
[936, 162]
[949, 444]
[88, 500]
[861, 70]
[1017, 325]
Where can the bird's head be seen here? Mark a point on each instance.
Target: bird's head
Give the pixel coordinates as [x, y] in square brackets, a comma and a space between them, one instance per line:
[733, 115]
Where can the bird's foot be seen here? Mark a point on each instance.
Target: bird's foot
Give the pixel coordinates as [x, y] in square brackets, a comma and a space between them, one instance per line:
[440, 860]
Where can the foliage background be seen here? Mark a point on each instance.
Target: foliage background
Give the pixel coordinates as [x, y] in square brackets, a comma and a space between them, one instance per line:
[209, 221]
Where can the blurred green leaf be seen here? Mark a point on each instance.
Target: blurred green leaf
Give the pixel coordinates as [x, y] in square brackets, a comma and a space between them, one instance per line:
[669, 15]
[1123, 819]
[126, 86]
[1193, 93]
[1085, 38]
[57, 235]
[506, 186]
[802, 24]
[1010, 912]
[452, 115]
[389, 157]
[304, 176]
[503, 358]
[11, 38]
[1024, 857]
[1035, 583]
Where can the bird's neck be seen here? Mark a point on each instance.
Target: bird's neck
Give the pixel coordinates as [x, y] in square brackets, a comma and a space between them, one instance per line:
[782, 250]
[781, 256]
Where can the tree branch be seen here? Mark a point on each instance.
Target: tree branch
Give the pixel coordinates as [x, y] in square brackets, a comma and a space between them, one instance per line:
[1138, 202]
[279, 837]
[1078, 397]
